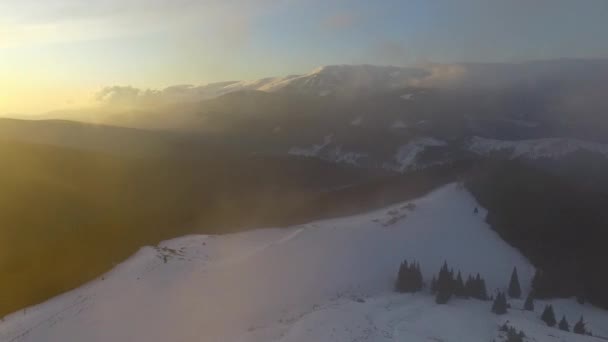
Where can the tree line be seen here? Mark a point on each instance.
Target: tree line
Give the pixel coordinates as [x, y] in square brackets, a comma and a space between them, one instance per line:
[446, 285]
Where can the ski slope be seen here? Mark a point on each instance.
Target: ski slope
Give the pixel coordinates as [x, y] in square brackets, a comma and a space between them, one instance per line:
[329, 280]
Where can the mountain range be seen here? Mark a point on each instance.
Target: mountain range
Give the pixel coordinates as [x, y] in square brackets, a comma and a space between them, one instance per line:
[525, 142]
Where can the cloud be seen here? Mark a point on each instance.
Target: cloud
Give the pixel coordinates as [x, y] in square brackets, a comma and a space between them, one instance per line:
[123, 96]
[442, 75]
[131, 97]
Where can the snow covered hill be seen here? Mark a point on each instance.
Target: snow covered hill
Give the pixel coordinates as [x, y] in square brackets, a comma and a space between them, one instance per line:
[330, 280]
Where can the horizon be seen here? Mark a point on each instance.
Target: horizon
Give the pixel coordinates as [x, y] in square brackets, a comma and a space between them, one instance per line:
[58, 54]
[102, 97]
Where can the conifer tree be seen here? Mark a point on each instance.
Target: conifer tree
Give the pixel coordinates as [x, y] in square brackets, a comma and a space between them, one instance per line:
[400, 283]
[499, 306]
[514, 288]
[579, 327]
[529, 304]
[548, 316]
[563, 324]
[409, 278]
[445, 285]
[470, 287]
[483, 293]
[418, 279]
[434, 285]
[459, 289]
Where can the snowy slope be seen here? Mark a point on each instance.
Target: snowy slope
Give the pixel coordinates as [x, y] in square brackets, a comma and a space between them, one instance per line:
[405, 158]
[535, 148]
[328, 152]
[330, 280]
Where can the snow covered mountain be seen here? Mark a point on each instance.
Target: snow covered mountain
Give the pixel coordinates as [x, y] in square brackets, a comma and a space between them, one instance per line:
[347, 79]
[410, 156]
[552, 148]
[326, 80]
[329, 280]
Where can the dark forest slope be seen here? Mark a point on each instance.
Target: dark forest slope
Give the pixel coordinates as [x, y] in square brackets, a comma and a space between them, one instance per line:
[561, 225]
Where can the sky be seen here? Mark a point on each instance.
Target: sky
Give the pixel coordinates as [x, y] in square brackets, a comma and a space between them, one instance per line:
[58, 53]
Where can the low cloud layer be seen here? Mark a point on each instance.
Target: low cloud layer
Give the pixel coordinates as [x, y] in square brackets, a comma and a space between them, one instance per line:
[565, 85]
[128, 97]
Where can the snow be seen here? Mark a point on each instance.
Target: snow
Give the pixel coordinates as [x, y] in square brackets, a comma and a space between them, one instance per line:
[323, 151]
[312, 151]
[408, 96]
[338, 155]
[405, 158]
[535, 148]
[329, 280]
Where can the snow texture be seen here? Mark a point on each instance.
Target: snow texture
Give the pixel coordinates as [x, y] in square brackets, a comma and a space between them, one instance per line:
[330, 280]
[405, 158]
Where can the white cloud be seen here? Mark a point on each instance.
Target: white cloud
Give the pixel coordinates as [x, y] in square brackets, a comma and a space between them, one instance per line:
[128, 97]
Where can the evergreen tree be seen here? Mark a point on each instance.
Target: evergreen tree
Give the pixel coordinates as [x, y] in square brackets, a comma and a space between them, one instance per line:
[483, 293]
[512, 335]
[514, 288]
[477, 286]
[579, 327]
[563, 324]
[499, 306]
[401, 277]
[445, 285]
[459, 289]
[529, 304]
[470, 287]
[409, 278]
[548, 316]
[418, 280]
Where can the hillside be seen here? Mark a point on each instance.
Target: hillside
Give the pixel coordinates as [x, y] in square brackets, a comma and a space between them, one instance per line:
[325, 281]
[68, 215]
[558, 222]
